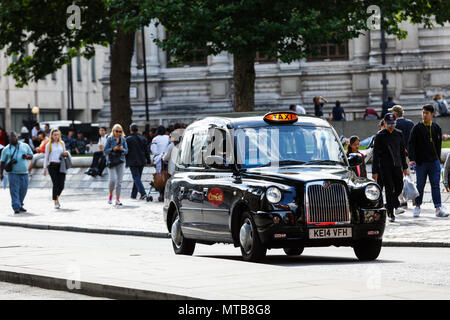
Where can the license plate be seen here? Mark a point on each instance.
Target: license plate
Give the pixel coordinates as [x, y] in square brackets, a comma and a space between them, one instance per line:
[329, 233]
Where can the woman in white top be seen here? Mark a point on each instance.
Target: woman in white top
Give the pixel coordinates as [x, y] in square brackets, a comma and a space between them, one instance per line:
[54, 150]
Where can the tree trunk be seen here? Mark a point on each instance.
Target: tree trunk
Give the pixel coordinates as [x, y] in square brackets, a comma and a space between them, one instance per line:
[121, 54]
[244, 81]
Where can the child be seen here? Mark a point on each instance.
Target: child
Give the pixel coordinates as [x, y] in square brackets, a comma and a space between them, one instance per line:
[353, 147]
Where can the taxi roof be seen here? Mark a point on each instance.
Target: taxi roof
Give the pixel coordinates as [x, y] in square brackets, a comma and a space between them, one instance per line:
[256, 119]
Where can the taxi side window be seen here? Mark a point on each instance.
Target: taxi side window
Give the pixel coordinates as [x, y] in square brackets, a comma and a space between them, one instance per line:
[185, 151]
[198, 148]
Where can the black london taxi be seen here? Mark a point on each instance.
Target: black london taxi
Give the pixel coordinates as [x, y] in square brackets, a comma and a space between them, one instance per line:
[279, 180]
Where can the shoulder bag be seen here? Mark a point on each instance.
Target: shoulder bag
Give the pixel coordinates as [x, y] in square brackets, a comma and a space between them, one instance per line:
[9, 165]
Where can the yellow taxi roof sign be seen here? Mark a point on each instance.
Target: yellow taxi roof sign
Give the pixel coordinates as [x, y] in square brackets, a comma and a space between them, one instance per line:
[281, 117]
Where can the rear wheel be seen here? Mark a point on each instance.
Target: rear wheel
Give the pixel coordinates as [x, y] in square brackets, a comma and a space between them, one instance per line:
[368, 250]
[251, 248]
[293, 251]
[180, 244]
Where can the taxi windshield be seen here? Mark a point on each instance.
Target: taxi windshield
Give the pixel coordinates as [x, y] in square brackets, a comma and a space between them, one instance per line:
[288, 145]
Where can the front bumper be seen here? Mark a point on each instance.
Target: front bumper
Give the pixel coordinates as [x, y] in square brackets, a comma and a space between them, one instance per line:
[283, 235]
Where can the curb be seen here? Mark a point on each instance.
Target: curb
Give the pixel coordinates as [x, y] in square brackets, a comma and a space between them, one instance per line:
[87, 230]
[416, 244]
[163, 235]
[88, 288]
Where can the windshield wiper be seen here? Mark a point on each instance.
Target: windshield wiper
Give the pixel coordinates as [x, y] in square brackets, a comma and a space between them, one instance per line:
[324, 162]
[290, 161]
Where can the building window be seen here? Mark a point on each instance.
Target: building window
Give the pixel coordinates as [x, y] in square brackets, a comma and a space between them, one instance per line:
[79, 68]
[195, 58]
[260, 58]
[93, 75]
[330, 51]
[54, 76]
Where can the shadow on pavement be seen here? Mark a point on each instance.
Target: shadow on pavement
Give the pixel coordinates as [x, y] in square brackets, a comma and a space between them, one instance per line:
[303, 260]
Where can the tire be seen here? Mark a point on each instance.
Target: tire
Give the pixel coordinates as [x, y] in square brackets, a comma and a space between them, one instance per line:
[367, 250]
[180, 244]
[251, 248]
[293, 251]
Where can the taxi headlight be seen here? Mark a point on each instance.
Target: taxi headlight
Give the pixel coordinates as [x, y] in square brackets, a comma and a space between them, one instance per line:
[273, 195]
[372, 192]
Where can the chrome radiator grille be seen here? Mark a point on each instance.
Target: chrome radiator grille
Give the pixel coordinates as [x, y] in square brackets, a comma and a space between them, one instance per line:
[326, 202]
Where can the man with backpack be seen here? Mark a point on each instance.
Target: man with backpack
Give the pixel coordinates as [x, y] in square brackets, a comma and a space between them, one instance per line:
[441, 108]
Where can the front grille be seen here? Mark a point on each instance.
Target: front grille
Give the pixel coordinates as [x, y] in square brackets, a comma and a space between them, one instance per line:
[326, 202]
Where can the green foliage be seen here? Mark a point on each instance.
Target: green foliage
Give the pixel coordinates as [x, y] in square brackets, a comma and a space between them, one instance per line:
[41, 26]
[285, 29]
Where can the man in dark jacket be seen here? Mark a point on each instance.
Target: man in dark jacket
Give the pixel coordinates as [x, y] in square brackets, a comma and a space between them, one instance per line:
[401, 123]
[389, 160]
[425, 145]
[138, 156]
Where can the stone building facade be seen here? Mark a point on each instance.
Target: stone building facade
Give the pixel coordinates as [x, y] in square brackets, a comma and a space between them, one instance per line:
[417, 68]
[50, 93]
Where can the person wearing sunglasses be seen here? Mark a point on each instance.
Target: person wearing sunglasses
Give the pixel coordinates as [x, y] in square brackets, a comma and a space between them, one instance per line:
[115, 150]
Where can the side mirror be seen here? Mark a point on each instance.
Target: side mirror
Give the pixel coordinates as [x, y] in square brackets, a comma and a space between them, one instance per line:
[355, 159]
[215, 162]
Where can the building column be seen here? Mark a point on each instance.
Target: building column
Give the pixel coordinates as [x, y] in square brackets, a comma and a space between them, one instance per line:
[361, 47]
[152, 50]
[220, 63]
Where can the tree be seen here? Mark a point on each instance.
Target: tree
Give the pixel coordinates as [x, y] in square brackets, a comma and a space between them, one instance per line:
[43, 24]
[283, 29]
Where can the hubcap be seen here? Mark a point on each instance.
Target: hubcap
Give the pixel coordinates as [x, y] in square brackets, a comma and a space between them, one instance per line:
[175, 233]
[246, 236]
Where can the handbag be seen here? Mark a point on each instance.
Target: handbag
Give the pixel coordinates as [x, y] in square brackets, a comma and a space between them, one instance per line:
[115, 157]
[9, 165]
[160, 178]
[409, 189]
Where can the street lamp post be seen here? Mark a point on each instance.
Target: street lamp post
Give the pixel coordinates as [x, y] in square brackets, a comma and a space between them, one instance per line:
[383, 45]
[145, 79]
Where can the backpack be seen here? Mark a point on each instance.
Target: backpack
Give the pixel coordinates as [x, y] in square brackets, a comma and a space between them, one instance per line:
[443, 111]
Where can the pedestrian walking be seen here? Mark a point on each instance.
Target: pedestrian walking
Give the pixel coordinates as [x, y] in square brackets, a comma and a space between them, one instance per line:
[14, 160]
[425, 145]
[338, 113]
[401, 123]
[171, 156]
[405, 126]
[440, 105]
[353, 147]
[116, 149]
[389, 161]
[159, 147]
[55, 150]
[387, 105]
[137, 158]
[319, 102]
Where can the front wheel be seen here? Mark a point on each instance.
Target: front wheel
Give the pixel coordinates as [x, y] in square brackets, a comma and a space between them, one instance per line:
[293, 251]
[368, 250]
[251, 248]
[180, 244]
